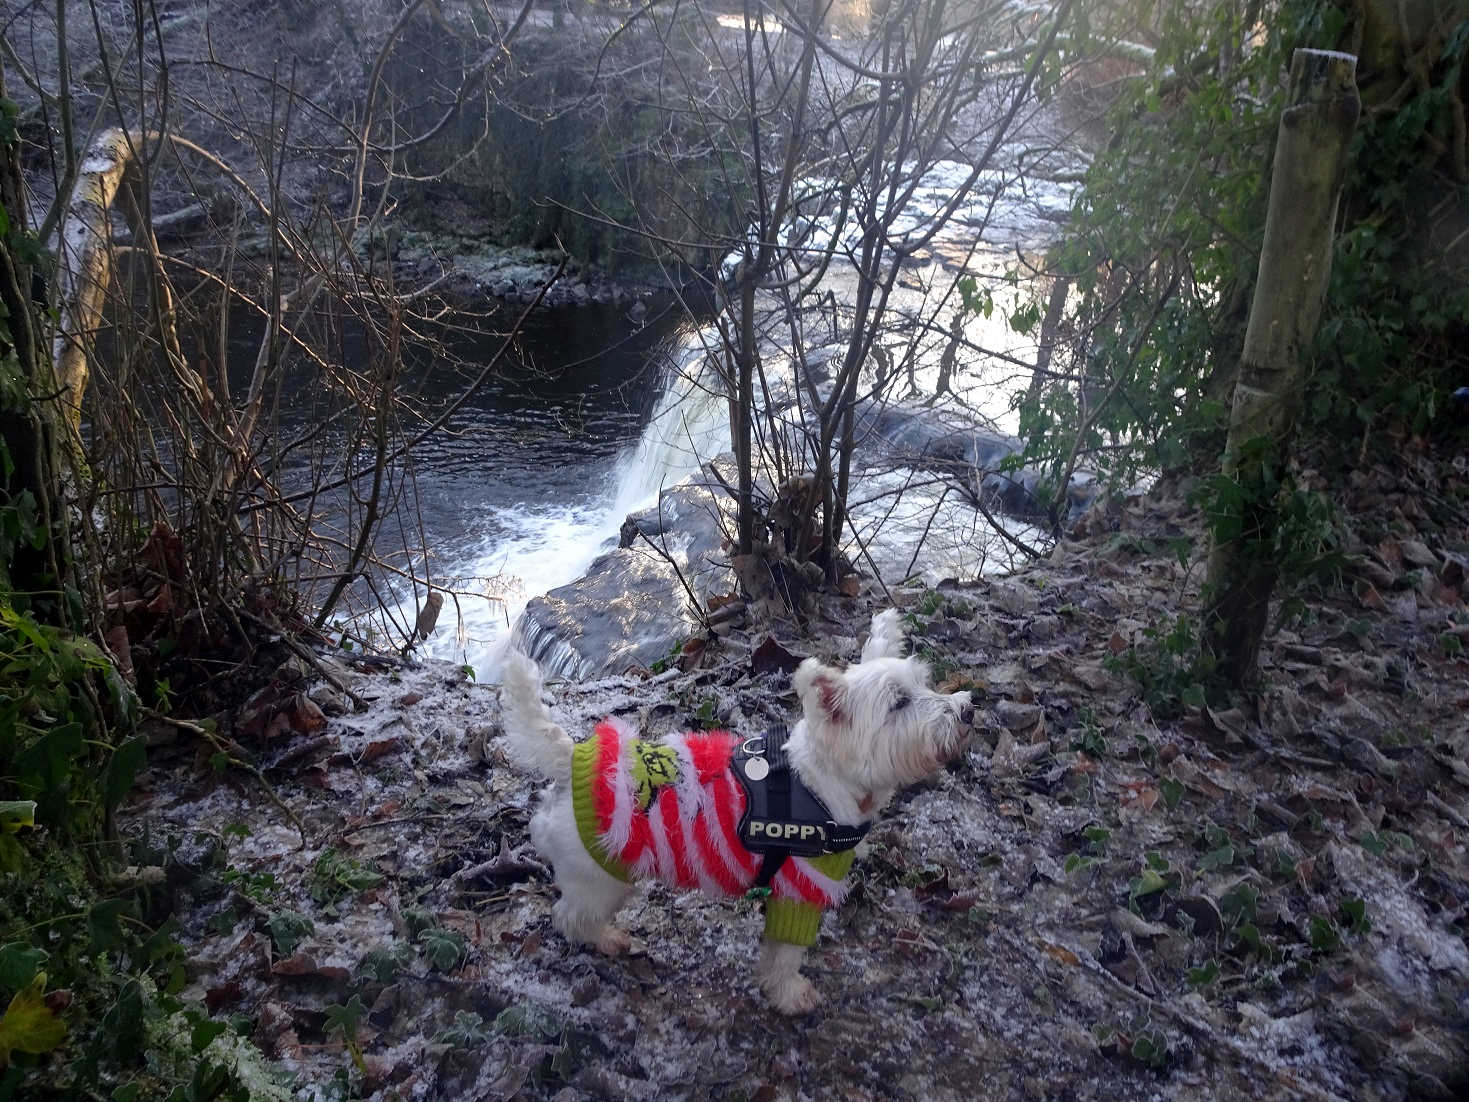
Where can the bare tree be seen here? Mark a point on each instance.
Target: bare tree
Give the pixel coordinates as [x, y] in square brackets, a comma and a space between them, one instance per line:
[830, 145]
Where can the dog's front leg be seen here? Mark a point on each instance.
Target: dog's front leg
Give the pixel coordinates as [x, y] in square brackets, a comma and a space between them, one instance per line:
[781, 979]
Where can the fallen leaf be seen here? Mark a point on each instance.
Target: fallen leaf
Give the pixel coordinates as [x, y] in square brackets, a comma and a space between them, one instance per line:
[1390, 553]
[378, 747]
[1416, 553]
[1116, 644]
[1018, 717]
[1060, 953]
[1136, 926]
[1139, 794]
[1089, 674]
[297, 964]
[217, 997]
[1369, 597]
[770, 656]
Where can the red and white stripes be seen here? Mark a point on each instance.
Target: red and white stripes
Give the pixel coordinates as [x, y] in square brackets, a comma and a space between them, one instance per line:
[687, 837]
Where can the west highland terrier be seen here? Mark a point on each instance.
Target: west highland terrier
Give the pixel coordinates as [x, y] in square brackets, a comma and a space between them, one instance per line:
[772, 815]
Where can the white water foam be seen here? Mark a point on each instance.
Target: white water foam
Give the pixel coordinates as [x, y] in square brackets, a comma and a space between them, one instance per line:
[539, 546]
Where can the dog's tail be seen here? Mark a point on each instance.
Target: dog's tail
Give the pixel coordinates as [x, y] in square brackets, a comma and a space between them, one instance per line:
[534, 742]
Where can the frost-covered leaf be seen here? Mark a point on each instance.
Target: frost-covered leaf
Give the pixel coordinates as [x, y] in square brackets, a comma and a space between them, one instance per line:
[288, 929]
[345, 1017]
[468, 1031]
[443, 948]
[334, 876]
[385, 962]
[529, 1020]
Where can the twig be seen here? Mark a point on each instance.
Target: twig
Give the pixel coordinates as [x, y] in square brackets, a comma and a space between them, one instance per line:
[226, 747]
[1199, 1028]
[1015, 541]
[425, 817]
[667, 556]
[502, 864]
[863, 548]
[307, 655]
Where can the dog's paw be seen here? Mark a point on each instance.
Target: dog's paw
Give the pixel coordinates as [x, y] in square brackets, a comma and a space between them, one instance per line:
[612, 940]
[793, 995]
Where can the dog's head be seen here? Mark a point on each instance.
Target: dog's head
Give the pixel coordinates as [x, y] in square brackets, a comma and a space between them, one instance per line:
[879, 724]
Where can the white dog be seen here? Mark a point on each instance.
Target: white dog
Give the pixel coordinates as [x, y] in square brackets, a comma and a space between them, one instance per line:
[774, 815]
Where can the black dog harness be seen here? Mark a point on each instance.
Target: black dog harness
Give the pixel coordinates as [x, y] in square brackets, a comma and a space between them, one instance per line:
[783, 818]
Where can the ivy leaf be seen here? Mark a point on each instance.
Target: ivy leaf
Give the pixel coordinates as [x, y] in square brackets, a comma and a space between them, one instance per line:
[444, 948]
[104, 923]
[47, 762]
[1077, 861]
[19, 963]
[1355, 913]
[1217, 859]
[1324, 934]
[29, 1025]
[1202, 977]
[203, 1032]
[385, 963]
[288, 929]
[1147, 882]
[528, 1020]
[468, 1031]
[418, 919]
[126, 761]
[1240, 903]
[345, 1017]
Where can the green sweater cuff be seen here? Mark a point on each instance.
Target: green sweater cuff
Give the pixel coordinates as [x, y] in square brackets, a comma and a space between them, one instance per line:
[791, 921]
[584, 765]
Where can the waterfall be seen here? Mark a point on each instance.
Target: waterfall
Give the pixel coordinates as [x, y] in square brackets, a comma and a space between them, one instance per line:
[541, 545]
[690, 423]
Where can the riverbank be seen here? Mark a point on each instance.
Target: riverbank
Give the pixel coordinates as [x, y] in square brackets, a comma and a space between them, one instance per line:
[1115, 894]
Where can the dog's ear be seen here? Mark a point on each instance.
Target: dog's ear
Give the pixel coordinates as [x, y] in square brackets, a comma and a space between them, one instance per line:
[823, 689]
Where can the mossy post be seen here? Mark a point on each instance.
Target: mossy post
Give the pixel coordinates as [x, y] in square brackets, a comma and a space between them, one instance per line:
[1295, 263]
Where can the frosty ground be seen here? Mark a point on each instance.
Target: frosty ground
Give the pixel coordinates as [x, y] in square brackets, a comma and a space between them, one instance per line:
[1119, 893]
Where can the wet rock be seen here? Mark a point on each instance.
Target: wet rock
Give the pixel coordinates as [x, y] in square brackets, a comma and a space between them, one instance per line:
[927, 438]
[631, 607]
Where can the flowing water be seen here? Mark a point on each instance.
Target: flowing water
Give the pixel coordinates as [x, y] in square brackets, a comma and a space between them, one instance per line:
[599, 412]
[547, 465]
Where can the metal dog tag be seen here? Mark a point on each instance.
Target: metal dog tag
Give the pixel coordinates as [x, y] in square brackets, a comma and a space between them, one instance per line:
[757, 769]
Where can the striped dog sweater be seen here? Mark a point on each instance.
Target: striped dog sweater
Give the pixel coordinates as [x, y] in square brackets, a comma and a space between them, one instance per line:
[670, 810]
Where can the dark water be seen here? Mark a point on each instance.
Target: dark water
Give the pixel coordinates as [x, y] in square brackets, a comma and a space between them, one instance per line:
[515, 494]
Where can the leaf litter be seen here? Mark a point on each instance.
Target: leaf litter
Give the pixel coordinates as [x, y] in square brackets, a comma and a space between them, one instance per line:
[1118, 893]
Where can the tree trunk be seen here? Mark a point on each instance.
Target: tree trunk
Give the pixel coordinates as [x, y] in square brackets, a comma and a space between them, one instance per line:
[84, 264]
[1295, 262]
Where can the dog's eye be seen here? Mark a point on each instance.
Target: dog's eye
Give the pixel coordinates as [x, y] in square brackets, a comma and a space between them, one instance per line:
[901, 701]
